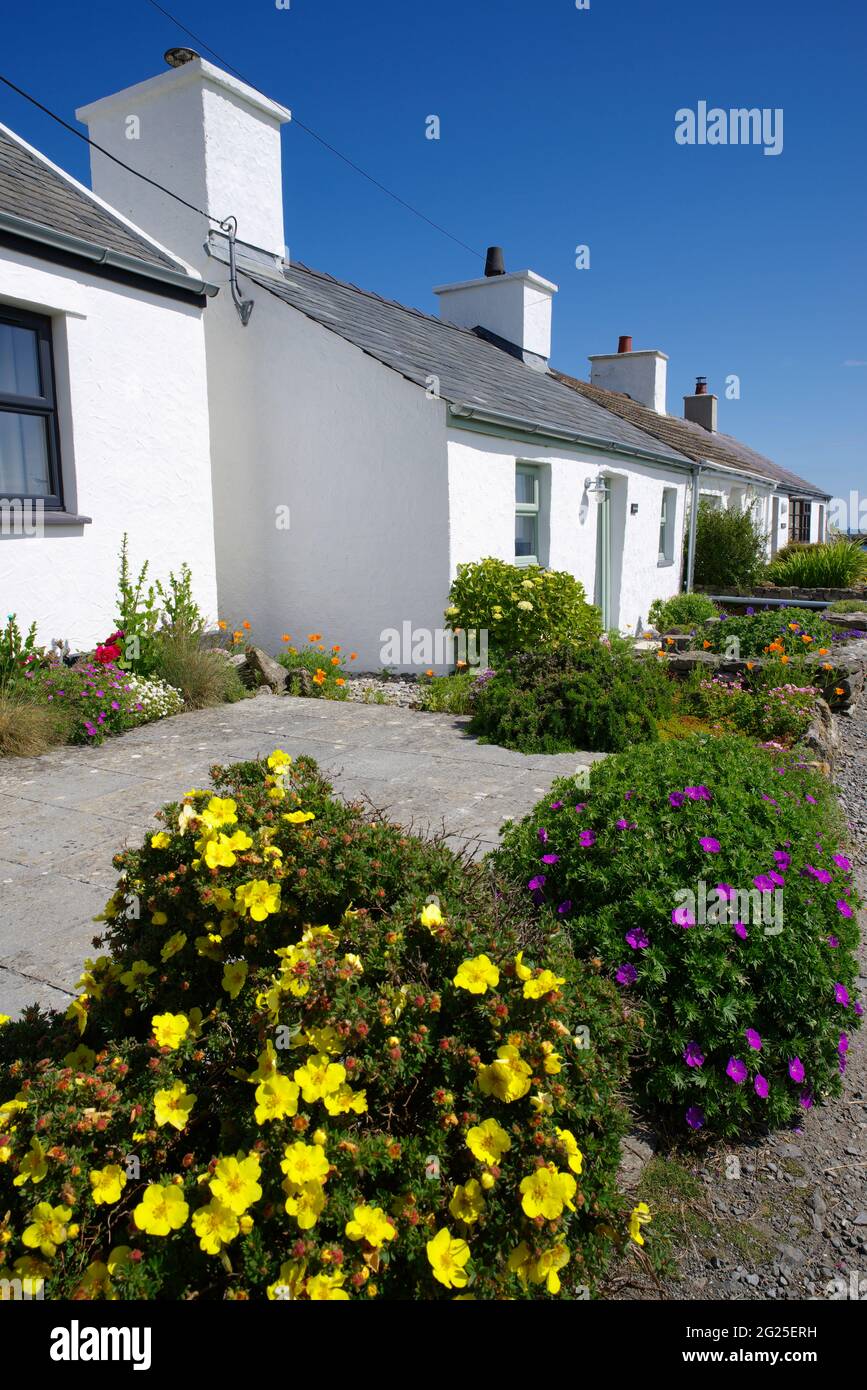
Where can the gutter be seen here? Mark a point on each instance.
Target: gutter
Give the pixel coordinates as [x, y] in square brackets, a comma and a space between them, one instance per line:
[103, 255]
[485, 415]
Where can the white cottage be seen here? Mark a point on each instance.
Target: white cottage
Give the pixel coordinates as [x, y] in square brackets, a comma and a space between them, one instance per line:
[358, 450]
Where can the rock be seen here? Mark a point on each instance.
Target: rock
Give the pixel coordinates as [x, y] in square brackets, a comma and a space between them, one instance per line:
[817, 1201]
[262, 669]
[861, 1218]
[636, 1152]
[823, 737]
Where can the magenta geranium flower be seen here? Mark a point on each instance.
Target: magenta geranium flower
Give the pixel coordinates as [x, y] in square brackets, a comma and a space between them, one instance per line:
[843, 1044]
[710, 845]
[796, 1069]
[805, 1100]
[565, 907]
[737, 1070]
[693, 1055]
[841, 861]
[543, 835]
[783, 860]
[858, 1009]
[698, 793]
[812, 800]
[550, 859]
[536, 883]
[833, 941]
[821, 875]
[555, 805]
[725, 890]
[760, 1086]
[695, 1117]
[841, 995]
[682, 917]
[764, 883]
[627, 796]
[843, 908]
[626, 974]
[753, 1039]
[587, 838]
[677, 799]
[638, 939]
[626, 825]
[582, 806]
[777, 879]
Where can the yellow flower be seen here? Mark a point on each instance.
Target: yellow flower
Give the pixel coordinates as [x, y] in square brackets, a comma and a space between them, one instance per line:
[161, 840]
[543, 1270]
[522, 971]
[546, 1192]
[172, 1106]
[447, 1258]
[258, 898]
[4, 1019]
[508, 1078]
[33, 1166]
[217, 852]
[236, 1182]
[138, 971]
[215, 1225]
[319, 1077]
[82, 1058]
[159, 919]
[78, 1011]
[275, 1099]
[544, 983]
[298, 817]
[267, 1064]
[305, 1204]
[162, 1209]
[475, 975]
[639, 1217]
[574, 1156]
[290, 1284]
[234, 976]
[370, 1224]
[431, 916]
[107, 1183]
[327, 1287]
[173, 945]
[552, 1063]
[170, 1029]
[488, 1142]
[220, 811]
[48, 1229]
[467, 1202]
[279, 761]
[304, 1163]
[344, 1100]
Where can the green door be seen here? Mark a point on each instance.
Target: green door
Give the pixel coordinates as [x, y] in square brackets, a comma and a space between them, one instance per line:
[602, 596]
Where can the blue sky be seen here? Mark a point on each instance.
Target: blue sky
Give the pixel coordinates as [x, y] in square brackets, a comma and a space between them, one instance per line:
[557, 129]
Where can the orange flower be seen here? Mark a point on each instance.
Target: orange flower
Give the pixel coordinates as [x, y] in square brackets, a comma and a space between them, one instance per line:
[335, 661]
[319, 678]
[430, 672]
[750, 665]
[669, 641]
[823, 651]
[340, 681]
[221, 625]
[287, 637]
[460, 663]
[236, 636]
[784, 659]
[805, 638]
[353, 656]
[705, 644]
[336, 647]
[826, 666]
[245, 625]
[313, 636]
[838, 690]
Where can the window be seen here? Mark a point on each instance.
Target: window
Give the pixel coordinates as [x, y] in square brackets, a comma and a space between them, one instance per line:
[712, 500]
[799, 520]
[526, 514]
[667, 517]
[29, 462]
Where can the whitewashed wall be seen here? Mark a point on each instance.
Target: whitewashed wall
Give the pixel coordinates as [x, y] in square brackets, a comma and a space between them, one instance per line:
[482, 516]
[132, 392]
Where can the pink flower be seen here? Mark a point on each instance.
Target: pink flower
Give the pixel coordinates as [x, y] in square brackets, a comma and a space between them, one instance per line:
[760, 1085]
[843, 908]
[841, 995]
[693, 1055]
[710, 845]
[587, 838]
[682, 917]
[737, 1070]
[637, 938]
[753, 1039]
[740, 930]
[796, 1069]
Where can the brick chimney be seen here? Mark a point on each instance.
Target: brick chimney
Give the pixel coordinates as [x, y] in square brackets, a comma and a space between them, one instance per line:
[639, 375]
[700, 408]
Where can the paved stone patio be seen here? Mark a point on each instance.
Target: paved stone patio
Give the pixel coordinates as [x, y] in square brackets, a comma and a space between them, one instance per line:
[64, 815]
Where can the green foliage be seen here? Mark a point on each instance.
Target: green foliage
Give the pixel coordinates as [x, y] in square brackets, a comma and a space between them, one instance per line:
[729, 547]
[28, 728]
[682, 610]
[307, 986]
[137, 614]
[181, 614]
[629, 855]
[313, 671]
[592, 697]
[761, 708]
[791, 632]
[520, 607]
[20, 656]
[849, 605]
[202, 675]
[448, 694]
[835, 564]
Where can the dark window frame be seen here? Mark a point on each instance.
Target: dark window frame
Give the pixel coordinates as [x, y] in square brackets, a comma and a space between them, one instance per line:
[800, 519]
[44, 406]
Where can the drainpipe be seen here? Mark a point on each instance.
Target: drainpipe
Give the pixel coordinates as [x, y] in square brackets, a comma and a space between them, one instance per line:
[693, 523]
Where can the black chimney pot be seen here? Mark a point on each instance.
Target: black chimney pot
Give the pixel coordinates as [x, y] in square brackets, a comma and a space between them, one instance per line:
[494, 262]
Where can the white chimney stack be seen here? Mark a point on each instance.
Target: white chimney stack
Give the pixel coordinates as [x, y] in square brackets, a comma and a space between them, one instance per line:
[515, 307]
[203, 135]
[638, 375]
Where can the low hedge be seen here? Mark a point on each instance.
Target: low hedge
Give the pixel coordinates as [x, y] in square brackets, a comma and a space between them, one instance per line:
[319, 1058]
[744, 1025]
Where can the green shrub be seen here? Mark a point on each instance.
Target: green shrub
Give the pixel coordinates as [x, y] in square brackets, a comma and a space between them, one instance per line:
[520, 607]
[849, 605]
[591, 697]
[448, 694]
[20, 656]
[137, 614]
[624, 864]
[765, 710]
[321, 1043]
[314, 671]
[202, 675]
[181, 613]
[835, 565]
[682, 610]
[790, 632]
[729, 547]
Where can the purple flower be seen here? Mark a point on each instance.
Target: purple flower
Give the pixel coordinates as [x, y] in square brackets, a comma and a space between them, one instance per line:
[843, 1044]
[843, 908]
[821, 875]
[833, 941]
[858, 1008]
[698, 793]
[682, 917]
[805, 1100]
[555, 805]
[587, 838]
[550, 859]
[627, 796]
[693, 1055]
[741, 931]
[753, 1039]
[565, 907]
[626, 974]
[737, 1070]
[695, 1117]
[764, 883]
[582, 806]
[677, 799]
[760, 1085]
[536, 883]
[841, 995]
[796, 1069]
[841, 861]
[710, 845]
[813, 802]
[725, 890]
[638, 939]
[543, 835]
[769, 798]
[626, 825]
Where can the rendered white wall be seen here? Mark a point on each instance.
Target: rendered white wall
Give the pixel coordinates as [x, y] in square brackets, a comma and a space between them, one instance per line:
[132, 392]
[482, 516]
[517, 307]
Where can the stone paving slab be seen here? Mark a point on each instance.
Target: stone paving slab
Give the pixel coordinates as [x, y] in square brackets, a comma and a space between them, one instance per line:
[64, 815]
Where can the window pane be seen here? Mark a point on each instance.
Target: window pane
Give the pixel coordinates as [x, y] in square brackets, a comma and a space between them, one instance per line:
[19, 361]
[24, 465]
[525, 536]
[525, 487]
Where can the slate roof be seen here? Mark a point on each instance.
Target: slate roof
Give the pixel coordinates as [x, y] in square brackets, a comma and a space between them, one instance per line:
[691, 439]
[31, 187]
[471, 369]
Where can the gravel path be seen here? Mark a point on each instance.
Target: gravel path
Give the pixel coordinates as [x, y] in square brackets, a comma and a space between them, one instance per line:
[781, 1217]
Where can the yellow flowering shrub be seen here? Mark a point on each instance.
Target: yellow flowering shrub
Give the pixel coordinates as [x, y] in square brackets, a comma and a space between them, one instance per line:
[359, 1072]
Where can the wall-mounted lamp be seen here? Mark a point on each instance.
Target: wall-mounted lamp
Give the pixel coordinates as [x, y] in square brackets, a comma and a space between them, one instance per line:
[597, 487]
